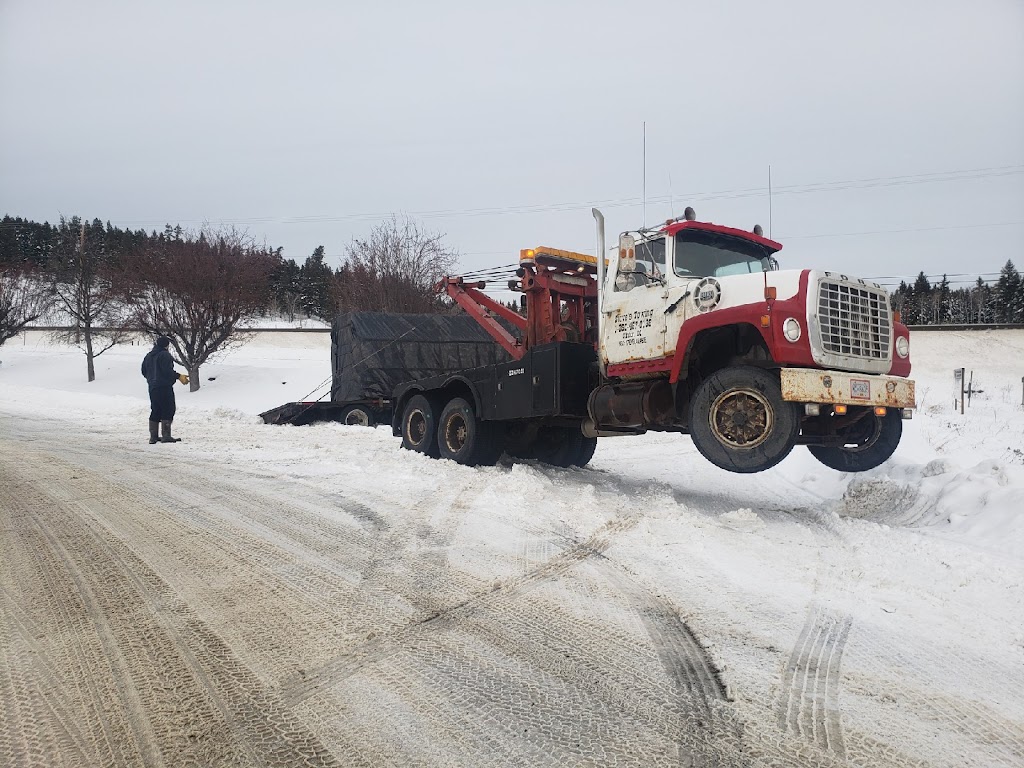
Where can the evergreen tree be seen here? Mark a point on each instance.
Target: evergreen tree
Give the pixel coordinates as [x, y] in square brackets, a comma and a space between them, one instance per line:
[286, 288]
[982, 310]
[1008, 304]
[940, 302]
[315, 279]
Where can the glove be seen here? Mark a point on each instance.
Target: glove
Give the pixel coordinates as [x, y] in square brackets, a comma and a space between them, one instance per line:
[183, 378]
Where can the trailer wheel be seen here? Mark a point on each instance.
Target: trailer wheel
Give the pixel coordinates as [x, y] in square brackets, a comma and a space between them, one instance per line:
[419, 426]
[870, 441]
[739, 421]
[464, 438]
[357, 416]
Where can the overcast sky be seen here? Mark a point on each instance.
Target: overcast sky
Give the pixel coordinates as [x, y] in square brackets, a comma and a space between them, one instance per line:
[894, 128]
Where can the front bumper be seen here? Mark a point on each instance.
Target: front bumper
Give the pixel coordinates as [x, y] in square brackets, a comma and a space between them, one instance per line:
[813, 385]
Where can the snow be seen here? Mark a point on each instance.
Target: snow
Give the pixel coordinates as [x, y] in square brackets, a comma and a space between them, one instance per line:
[921, 559]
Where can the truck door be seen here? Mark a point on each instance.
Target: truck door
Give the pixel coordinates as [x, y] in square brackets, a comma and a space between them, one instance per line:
[633, 326]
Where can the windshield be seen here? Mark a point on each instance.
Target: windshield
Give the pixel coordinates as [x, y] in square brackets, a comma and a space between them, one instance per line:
[710, 254]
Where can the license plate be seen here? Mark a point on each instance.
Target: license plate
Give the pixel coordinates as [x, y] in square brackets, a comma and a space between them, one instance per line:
[860, 389]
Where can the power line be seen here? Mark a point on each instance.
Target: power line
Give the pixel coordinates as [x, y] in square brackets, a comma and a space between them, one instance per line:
[791, 189]
[900, 231]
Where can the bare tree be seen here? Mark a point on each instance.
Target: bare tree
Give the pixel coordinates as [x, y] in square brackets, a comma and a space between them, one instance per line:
[395, 269]
[22, 300]
[197, 290]
[85, 285]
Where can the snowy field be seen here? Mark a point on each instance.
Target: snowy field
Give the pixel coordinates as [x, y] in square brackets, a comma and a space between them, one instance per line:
[370, 606]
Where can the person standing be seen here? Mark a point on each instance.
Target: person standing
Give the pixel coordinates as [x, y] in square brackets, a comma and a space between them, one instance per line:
[158, 368]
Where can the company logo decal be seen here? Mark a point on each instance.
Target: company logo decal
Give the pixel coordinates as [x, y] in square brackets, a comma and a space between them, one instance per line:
[707, 294]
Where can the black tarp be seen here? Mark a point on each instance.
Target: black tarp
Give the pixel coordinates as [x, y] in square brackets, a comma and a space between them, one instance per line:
[373, 352]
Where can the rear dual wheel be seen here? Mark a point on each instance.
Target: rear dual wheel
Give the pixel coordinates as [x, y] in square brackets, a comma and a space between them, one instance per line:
[564, 447]
[465, 439]
[419, 426]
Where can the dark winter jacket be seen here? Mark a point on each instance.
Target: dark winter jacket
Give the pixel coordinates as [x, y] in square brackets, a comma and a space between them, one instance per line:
[158, 368]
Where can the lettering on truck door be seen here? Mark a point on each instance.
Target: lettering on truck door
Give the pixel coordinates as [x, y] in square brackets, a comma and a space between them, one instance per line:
[634, 301]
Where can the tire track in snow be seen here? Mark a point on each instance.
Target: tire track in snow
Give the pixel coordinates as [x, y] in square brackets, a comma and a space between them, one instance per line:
[183, 697]
[810, 684]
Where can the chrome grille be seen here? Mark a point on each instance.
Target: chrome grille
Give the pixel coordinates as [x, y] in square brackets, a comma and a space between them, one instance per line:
[854, 320]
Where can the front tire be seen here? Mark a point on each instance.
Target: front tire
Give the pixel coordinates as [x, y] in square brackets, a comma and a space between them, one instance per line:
[869, 442]
[739, 421]
[464, 438]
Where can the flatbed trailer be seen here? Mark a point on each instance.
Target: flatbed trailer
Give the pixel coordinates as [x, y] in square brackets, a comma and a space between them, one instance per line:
[302, 413]
[374, 352]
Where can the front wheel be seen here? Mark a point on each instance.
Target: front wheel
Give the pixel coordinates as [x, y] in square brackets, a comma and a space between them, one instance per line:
[739, 421]
[867, 443]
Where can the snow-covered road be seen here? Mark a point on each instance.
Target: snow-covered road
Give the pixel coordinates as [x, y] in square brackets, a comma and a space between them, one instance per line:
[263, 595]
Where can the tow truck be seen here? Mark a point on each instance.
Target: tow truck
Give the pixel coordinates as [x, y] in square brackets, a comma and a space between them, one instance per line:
[688, 327]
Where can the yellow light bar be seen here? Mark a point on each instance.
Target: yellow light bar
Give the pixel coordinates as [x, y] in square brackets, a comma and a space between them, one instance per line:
[530, 255]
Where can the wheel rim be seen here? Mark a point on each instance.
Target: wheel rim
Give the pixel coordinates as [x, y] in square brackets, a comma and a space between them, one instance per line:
[455, 432]
[742, 418]
[357, 418]
[417, 427]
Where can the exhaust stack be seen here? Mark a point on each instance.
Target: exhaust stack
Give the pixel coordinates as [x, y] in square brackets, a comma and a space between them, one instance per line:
[599, 218]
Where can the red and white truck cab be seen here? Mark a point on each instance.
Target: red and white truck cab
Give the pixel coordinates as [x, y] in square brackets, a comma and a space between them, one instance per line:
[693, 302]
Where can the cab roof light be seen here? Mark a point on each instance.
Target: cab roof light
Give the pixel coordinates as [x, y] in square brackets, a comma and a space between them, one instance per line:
[556, 254]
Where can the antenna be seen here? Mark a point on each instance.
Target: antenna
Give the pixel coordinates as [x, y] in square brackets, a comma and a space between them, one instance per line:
[671, 197]
[645, 175]
[769, 201]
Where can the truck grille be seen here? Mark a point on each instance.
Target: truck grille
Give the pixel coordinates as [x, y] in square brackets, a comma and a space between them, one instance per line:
[854, 320]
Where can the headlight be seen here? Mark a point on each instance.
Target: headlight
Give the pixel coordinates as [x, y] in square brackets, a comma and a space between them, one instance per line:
[902, 346]
[791, 329]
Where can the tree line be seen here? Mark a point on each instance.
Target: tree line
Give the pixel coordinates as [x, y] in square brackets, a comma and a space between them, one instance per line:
[102, 283]
[925, 303]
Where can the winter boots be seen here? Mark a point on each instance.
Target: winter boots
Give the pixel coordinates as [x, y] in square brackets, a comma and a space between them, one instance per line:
[166, 429]
[154, 436]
